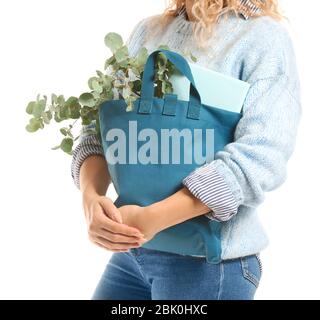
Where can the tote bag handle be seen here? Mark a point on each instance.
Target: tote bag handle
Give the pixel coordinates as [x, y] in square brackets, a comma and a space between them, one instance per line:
[147, 87]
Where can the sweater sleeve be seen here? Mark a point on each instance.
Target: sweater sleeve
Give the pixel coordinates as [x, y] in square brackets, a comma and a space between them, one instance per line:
[255, 162]
[89, 144]
[264, 139]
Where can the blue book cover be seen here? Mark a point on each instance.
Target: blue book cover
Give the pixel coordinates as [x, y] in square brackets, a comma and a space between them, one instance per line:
[216, 89]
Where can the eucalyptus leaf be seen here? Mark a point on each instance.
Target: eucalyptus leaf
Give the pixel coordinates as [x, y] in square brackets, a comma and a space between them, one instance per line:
[113, 41]
[64, 131]
[193, 58]
[61, 100]
[54, 99]
[96, 95]
[99, 73]
[135, 71]
[38, 108]
[47, 116]
[136, 86]
[91, 81]
[62, 112]
[31, 128]
[85, 120]
[41, 123]
[108, 95]
[109, 62]
[96, 86]
[30, 107]
[124, 63]
[87, 99]
[34, 124]
[72, 108]
[72, 101]
[169, 87]
[142, 56]
[107, 82]
[66, 144]
[161, 60]
[84, 111]
[57, 117]
[121, 54]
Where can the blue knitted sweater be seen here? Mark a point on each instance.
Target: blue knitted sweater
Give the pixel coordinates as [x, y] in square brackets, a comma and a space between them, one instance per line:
[259, 51]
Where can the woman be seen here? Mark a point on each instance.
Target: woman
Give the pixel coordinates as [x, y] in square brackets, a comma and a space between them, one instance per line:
[243, 39]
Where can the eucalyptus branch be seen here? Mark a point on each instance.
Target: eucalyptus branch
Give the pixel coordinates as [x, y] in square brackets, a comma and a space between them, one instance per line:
[121, 79]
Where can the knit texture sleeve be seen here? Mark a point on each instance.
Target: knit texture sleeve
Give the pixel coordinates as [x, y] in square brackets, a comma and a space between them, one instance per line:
[264, 139]
[256, 161]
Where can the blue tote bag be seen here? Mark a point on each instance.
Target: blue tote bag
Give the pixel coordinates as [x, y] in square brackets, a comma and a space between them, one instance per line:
[151, 149]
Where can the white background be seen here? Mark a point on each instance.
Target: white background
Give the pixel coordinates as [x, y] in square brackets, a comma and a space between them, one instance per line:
[55, 46]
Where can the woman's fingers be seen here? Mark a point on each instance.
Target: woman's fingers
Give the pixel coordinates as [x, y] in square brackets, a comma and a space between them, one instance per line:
[113, 246]
[98, 219]
[111, 234]
[105, 228]
[116, 237]
[114, 219]
[107, 232]
[110, 209]
[116, 227]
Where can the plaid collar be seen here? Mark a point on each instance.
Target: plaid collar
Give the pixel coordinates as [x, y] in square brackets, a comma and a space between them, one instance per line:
[246, 8]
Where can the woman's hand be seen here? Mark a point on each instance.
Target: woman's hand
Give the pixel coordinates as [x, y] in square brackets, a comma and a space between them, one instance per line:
[105, 224]
[140, 218]
[175, 209]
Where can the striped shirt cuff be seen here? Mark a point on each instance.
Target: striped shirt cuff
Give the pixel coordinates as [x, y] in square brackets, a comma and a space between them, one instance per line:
[206, 184]
[89, 145]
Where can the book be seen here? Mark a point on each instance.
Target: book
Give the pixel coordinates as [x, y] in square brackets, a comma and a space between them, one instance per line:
[215, 89]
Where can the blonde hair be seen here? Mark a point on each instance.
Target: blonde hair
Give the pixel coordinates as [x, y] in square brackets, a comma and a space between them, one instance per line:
[207, 13]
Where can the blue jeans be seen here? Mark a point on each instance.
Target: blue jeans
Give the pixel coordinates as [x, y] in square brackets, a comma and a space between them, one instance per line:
[146, 274]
